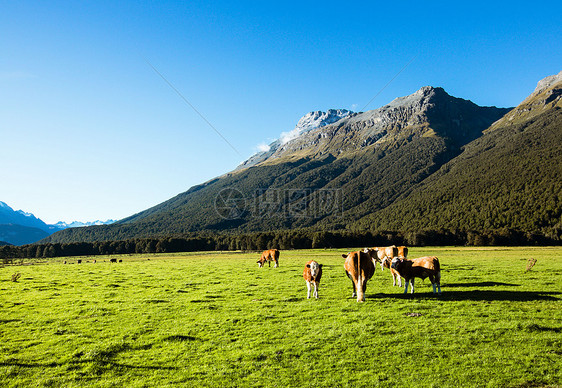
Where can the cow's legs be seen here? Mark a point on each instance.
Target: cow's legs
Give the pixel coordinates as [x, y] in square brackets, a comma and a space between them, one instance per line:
[276, 264]
[352, 284]
[412, 286]
[316, 290]
[406, 286]
[308, 287]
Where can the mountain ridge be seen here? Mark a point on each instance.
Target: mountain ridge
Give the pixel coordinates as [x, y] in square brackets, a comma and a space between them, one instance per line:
[18, 227]
[391, 149]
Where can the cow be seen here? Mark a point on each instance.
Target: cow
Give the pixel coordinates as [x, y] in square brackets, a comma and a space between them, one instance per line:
[79, 261]
[359, 268]
[113, 260]
[422, 267]
[269, 256]
[402, 252]
[312, 274]
[383, 253]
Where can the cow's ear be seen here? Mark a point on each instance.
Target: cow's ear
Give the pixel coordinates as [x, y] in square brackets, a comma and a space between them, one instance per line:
[308, 266]
[344, 255]
[320, 265]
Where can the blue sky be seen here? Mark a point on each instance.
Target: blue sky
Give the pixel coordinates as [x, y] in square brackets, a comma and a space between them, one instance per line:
[90, 131]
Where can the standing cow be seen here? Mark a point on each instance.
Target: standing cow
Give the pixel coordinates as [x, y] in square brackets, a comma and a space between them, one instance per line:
[389, 253]
[269, 256]
[312, 274]
[422, 267]
[359, 268]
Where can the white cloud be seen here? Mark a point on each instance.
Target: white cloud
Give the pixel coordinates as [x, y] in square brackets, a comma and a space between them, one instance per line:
[262, 147]
[288, 136]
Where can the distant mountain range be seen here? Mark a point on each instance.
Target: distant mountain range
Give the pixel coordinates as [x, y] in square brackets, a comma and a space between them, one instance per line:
[18, 227]
[424, 162]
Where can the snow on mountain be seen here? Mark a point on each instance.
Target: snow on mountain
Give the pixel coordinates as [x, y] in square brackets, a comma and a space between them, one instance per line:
[78, 224]
[307, 123]
[312, 121]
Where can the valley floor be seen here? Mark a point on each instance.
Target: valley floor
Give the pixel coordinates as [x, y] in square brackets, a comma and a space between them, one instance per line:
[216, 319]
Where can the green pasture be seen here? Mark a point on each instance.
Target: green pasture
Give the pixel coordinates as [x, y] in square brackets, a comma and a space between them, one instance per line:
[217, 320]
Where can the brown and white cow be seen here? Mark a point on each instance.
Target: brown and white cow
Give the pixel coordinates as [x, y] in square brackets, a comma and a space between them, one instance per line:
[269, 256]
[401, 252]
[384, 256]
[422, 267]
[359, 268]
[312, 274]
[382, 253]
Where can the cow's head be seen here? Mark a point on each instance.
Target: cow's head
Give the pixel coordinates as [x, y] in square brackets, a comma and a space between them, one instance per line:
[372, 252]
[260, 263]
[395, 263]
[314, 268]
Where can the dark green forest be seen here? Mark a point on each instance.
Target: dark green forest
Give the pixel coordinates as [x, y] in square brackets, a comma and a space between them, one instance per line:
[288, 239]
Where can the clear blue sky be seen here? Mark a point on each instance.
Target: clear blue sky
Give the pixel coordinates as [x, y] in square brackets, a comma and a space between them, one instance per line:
[90, 131]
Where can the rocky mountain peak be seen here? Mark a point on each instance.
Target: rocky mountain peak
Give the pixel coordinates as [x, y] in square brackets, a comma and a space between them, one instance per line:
[547, 94]
[548, 82]
[306, 123]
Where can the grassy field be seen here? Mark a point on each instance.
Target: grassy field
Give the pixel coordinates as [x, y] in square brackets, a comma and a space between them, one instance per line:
[217, 320]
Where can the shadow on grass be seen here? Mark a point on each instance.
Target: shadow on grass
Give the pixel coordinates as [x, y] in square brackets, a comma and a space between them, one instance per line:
[478, 284]
[477, 295]
[107, 365]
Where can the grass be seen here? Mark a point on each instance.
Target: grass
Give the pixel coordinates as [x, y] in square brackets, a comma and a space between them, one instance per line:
[216, 319]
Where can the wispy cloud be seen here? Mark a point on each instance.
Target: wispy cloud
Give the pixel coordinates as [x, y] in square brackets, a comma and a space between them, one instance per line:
[263, 147]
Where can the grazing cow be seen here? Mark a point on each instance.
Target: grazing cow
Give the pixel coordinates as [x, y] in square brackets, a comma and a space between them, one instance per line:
[312, 274]
[113, 260]
[120, 260]
[94, 261]
[79, 261]
[269, 256]
[423, 267]
[359, 268]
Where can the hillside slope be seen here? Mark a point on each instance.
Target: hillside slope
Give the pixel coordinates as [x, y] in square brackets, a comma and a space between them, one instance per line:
[325, 178]
[508, 179]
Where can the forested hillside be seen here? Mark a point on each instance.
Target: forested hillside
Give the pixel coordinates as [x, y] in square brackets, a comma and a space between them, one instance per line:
[424, 165]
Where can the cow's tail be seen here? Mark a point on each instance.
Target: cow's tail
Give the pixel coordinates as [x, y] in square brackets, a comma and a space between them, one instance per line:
[360, 294]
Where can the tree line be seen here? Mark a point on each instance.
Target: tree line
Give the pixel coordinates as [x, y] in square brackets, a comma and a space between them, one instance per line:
[288, 239]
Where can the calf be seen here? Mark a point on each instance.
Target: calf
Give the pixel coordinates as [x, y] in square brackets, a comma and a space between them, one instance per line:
[113, 260]
[312, 274]
[359, 268]
[423, 267]
[269, 256]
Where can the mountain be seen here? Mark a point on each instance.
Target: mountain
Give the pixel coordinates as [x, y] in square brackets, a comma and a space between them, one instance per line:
[307, 123]
[507, 179]
[19, 235]
[18, 227]
[326, 176]
[78, 224]
[19, 217]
